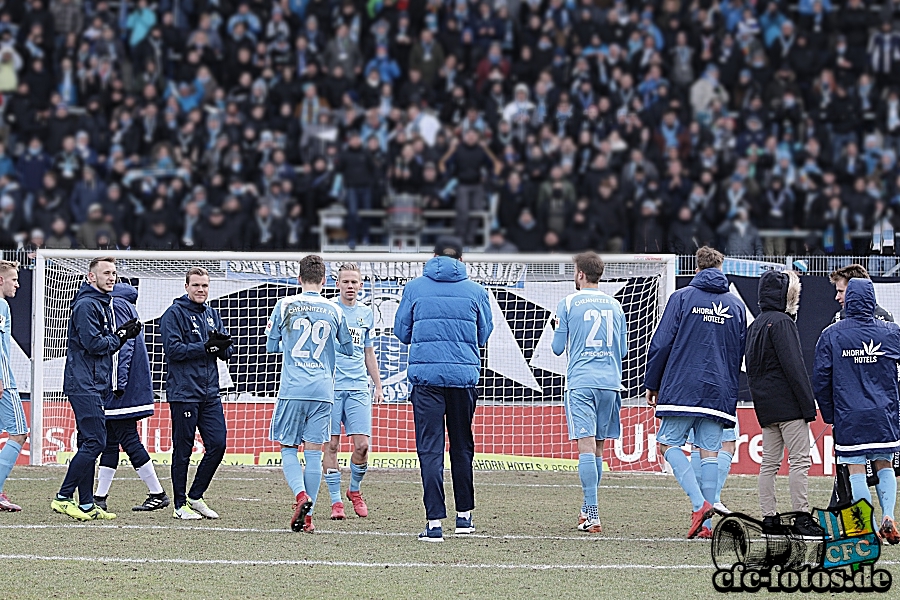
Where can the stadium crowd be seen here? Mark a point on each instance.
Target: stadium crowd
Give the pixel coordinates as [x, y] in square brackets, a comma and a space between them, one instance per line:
[647, 126]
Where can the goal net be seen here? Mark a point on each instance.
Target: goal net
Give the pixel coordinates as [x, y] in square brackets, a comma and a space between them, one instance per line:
[520, 420]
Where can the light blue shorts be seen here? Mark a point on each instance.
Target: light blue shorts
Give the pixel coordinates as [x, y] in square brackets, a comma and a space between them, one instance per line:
[298, 421]
[729, 434]
[862, 458]
[593, 413]
[12, 415]
[707, 433]
[353, 408]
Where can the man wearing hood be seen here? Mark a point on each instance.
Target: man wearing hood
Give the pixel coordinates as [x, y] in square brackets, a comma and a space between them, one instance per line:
[130, 401]
[782, 397]
[692, 377]
[855, 382]
[445, 318]
[92, 342]
[194, 340]
[842, 494]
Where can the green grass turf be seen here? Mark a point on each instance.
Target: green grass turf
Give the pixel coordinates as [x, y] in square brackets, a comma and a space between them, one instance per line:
[526, 545]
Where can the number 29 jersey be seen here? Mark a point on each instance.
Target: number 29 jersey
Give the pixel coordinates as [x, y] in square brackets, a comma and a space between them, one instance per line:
[307, 329]
[593, 329]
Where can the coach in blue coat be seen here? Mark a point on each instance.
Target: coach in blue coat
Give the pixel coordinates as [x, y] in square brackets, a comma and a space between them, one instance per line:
[855, 381]
[445, 318]
[194, 338]
[692, 376]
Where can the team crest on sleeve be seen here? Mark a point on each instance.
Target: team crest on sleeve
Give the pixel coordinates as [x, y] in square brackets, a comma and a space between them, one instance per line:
[210, 321]
[3, 323]
[268, 326]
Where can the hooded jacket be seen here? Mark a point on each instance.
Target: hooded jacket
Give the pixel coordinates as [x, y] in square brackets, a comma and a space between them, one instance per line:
[696, 352]
[192, 375]
[90, 344]
[779, 382]
[445, 318]
[131, 364]
[855, 376]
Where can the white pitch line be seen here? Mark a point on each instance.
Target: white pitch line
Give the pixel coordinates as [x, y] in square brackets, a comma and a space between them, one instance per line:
[477, 484]
[338, 563]
[346, 533]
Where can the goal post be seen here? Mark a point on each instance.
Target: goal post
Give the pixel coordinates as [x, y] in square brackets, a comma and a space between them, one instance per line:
[520, 420]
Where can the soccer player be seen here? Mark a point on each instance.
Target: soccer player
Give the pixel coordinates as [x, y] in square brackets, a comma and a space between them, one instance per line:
[855, 381]
[352, 400]
[131, 401]
[194, 340]
[692, 377]
[305, 329]
[782, 398]
[12, 415]
[445, 318]
[591, 325]
[841, 493]
[87, 381]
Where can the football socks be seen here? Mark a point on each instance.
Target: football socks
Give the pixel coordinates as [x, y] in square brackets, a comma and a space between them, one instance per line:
[293, 471]
[859, 488]
[8, 457]
[681, 467]
[312, 475]
[887, 491]
[357, 472]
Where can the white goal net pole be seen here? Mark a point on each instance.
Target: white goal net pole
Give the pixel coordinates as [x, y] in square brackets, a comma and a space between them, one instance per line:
[525, 288]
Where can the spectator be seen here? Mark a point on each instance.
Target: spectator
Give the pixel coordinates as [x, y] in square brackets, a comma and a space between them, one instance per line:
[740, 237]
[470, 160]
[88, 192]
[498, 244]
[95, 228]
[357, 169]
[688, 233]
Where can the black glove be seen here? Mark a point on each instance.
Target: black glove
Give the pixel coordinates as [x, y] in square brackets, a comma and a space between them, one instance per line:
[128, 331]
[118, 393]
[217, 344]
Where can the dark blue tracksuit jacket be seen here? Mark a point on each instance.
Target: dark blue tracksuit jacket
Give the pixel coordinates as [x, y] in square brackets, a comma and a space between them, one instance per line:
[90, 345]
[192, 374]
[695, 355]
[855, 377]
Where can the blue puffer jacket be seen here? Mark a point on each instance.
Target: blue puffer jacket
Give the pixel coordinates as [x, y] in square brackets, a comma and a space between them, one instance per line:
[696, 352]
[192, 375]
[444, 317]
[855, 377]
[91, 343]
[132, 365]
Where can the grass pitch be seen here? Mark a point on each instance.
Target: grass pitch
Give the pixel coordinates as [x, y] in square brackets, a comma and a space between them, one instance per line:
[526, 545]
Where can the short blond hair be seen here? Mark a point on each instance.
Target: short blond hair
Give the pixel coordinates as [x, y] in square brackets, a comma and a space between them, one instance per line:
[349, 266]
[709, 258]
[8, 265]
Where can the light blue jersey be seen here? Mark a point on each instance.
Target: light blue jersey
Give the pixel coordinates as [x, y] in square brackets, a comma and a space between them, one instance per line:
[304, 329]
[6, 373]
[592, 326]
[351, 374]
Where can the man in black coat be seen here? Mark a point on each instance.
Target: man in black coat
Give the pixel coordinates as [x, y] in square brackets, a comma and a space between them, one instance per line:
[357, 168]
[782, 397]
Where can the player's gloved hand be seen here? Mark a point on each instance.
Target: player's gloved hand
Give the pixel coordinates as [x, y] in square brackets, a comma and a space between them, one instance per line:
[118, 393]
[129, 330]
[217, 345]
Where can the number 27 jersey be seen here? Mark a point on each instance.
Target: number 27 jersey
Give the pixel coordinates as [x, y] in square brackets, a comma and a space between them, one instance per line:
[306, 329]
